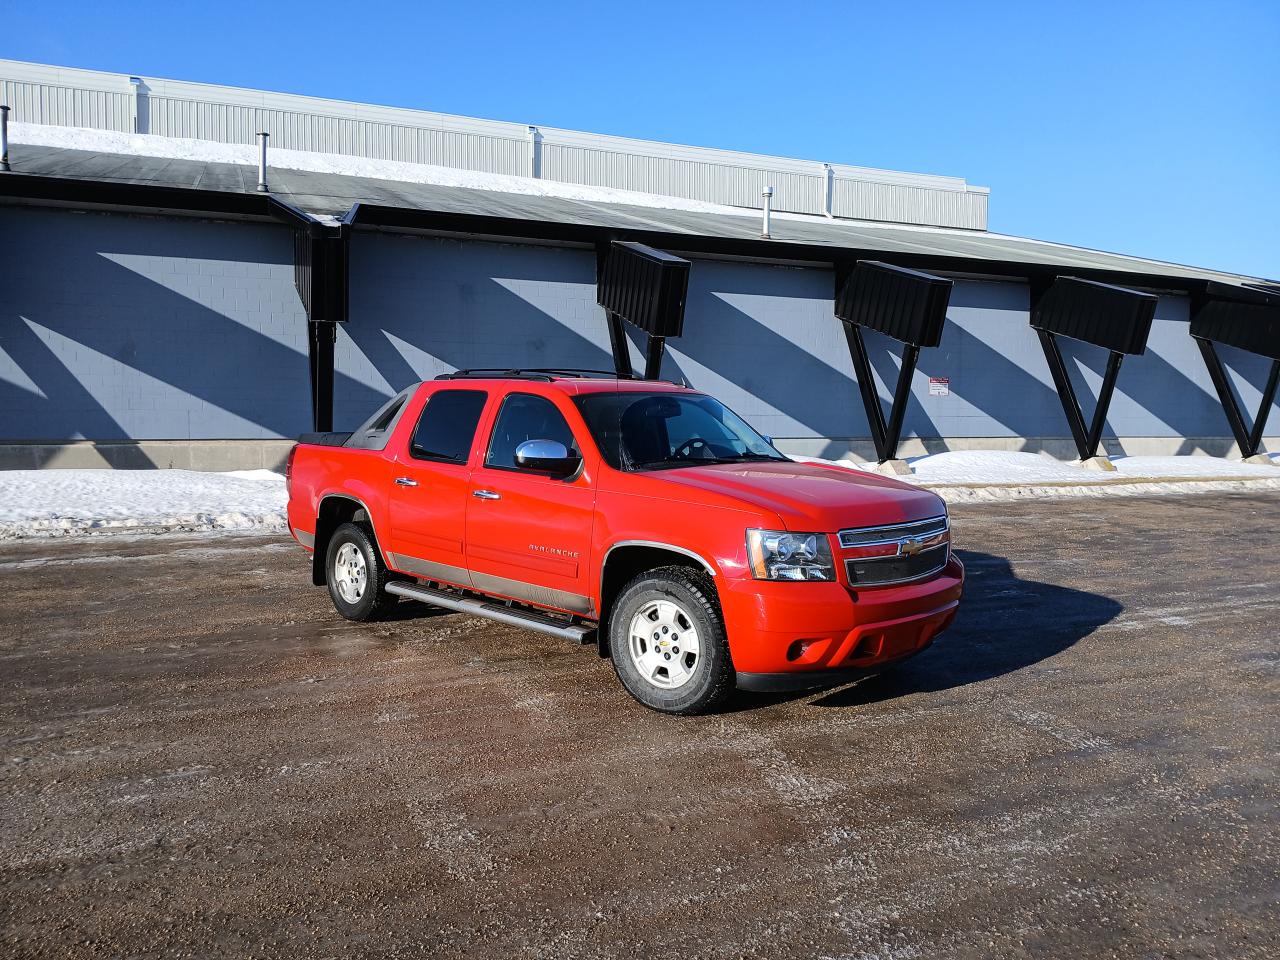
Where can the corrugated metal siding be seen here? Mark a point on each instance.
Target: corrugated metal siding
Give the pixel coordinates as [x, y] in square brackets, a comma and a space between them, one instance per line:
[644, 286]
[68, 97]
[294, 130]
[907, 305]
[63, 106]
[1108, 316]
[1248, 326]
[871, 200]
[732, 184]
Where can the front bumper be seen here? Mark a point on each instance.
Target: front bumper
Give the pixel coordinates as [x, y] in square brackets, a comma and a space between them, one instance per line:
[819, 630]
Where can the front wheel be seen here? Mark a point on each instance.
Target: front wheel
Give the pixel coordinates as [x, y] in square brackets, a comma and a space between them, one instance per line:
[356, 574]
[667, 639]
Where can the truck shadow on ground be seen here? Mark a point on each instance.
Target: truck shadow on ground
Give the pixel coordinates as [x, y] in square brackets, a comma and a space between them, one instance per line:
[1005, 623]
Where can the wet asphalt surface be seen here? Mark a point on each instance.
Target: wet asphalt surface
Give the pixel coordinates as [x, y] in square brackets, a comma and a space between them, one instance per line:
[199, 758]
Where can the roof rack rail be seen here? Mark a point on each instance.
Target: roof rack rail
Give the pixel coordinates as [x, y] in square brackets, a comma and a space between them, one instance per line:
[529, 373]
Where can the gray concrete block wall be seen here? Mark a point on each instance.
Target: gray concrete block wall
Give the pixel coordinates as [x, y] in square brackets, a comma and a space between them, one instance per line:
[422, 306]
[117, 327]
[763, 339]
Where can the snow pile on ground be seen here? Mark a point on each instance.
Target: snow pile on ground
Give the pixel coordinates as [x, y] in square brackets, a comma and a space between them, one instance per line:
[43, 503]
[39, 503]
[207, 151]
[1007, 475]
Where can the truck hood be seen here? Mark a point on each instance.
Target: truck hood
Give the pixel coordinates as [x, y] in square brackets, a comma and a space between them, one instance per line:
[811, 497]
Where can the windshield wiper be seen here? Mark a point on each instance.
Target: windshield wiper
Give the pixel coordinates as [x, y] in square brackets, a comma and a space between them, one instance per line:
[667, 462]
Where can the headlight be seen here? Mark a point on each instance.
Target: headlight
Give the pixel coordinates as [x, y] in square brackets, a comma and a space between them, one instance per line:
[779, 555]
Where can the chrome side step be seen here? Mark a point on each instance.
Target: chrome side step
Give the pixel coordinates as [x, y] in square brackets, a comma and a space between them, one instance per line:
[492, 611]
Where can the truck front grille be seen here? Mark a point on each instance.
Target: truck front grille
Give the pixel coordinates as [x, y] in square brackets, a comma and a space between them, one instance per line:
[900, 553]
[885, 570]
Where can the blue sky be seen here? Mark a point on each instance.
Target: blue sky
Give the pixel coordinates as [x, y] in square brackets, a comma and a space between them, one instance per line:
[1144, 128]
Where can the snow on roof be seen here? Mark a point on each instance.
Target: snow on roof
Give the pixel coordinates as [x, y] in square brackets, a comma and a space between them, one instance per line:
[889, 237]
[207, 151]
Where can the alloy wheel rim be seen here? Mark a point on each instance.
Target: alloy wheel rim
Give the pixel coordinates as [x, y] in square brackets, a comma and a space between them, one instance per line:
[664, 645]
[350, 574]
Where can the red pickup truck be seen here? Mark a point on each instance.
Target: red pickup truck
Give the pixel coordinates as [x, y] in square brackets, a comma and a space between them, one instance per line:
[639, 514]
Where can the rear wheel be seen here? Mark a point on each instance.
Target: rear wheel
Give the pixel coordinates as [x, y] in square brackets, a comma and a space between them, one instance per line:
[668, 641]
[356, 574]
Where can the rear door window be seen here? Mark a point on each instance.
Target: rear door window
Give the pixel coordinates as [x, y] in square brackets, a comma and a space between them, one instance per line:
[447, 426]
[374, 433]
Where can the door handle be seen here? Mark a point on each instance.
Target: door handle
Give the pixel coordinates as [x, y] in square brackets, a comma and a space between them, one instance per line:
[486, 494]
[406, 482]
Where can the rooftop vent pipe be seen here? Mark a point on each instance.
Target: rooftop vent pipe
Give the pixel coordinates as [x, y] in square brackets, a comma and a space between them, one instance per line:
[4, 137]
[262, 163]
[767, 194]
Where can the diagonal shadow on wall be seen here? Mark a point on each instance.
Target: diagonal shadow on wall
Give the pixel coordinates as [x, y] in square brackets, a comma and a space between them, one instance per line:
[764, 359]
[1161, 388]
[423, 306]
[66, 407]
[145, 326]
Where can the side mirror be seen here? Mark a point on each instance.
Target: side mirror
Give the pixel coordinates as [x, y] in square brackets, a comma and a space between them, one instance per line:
[547, 456]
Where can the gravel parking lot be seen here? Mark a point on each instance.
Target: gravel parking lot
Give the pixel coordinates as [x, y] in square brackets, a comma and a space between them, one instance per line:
[199, 758]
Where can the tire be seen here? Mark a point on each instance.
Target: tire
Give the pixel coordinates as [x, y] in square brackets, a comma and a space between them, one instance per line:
[680, 605]
[356, 574]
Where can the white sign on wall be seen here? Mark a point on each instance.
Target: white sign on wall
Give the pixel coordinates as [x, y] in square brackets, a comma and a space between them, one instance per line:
[939, 386]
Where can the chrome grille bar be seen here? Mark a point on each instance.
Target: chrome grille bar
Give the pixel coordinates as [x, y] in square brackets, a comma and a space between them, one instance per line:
[868, 536]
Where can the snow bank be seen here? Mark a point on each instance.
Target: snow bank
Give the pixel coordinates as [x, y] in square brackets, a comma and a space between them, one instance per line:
[207, 151]
[41, 503]
[979, 475]
[1004, 467]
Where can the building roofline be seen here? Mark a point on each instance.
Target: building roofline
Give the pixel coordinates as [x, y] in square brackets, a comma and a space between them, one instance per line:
[155, 198]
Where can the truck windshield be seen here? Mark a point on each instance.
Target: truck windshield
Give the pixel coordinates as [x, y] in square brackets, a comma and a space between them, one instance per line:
[659, 431]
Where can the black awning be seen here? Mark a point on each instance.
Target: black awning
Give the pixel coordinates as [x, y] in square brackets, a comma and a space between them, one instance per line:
[907, 305]
[1116, 318]
[644, 286]
[1245, 318]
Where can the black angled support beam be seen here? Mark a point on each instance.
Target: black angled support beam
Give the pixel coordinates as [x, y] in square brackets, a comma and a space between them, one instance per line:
[1247, 319]
[904, 304]
[647, 288]
[618, 346]
[867, 387]
[1115, 318]
[1086, 437]
[653, 357]
[1248, 440]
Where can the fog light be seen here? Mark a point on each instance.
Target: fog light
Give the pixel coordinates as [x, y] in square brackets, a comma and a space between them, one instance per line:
[798, 648]
[868, 646]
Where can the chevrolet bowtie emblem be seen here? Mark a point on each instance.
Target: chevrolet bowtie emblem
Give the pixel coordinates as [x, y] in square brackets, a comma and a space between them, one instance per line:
[909, 548]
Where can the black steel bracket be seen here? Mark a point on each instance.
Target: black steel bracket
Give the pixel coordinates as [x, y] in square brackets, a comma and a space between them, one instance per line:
[1115, 318]
[884, 434]
[1248, 440]
[1246, 318]
[908, 306]
[1087, 437]
[618, 346]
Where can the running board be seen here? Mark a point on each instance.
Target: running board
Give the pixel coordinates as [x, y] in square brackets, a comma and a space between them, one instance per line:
[492, 611]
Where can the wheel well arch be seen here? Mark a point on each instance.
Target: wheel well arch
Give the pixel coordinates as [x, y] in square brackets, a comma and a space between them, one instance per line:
[334, 510]
[625, 560]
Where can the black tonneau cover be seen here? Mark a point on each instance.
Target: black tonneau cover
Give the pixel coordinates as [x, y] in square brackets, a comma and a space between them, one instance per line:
[325, 439]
